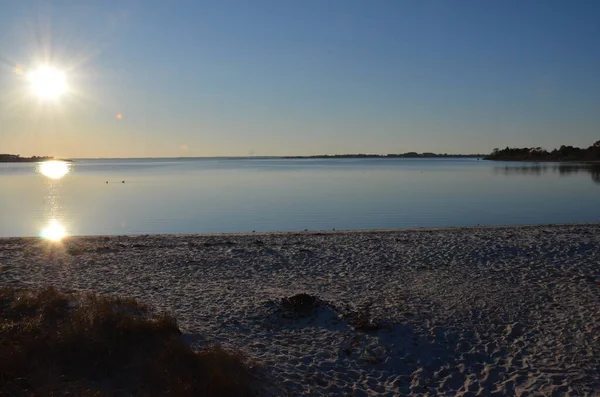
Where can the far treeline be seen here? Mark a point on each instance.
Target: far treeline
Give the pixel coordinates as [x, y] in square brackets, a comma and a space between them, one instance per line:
[564, 153]
[15, 158]
[400, 155]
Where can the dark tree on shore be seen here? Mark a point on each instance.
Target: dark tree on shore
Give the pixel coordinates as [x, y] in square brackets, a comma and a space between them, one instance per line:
[564, 153]
[15, 158]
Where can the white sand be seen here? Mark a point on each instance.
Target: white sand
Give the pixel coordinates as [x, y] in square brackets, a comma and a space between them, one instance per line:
[471, 311]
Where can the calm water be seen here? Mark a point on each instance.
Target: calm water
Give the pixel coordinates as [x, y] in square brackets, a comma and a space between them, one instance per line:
[218, 195]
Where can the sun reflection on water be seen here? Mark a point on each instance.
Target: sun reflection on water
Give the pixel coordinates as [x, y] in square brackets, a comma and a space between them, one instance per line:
[54, 169]
[54, 231]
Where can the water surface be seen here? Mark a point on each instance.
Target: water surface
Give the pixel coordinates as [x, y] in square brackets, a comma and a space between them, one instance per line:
[245, 195]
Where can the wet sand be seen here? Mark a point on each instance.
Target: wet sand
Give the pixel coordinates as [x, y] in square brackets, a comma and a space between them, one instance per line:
[461, 311]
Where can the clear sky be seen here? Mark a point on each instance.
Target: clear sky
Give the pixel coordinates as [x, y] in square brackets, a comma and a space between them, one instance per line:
[218, 78]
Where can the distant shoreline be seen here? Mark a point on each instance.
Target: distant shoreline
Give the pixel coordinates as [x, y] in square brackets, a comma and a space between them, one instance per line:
[403, 155]
[35, 160]
[15, 158]
[340, 156]
[538, 154]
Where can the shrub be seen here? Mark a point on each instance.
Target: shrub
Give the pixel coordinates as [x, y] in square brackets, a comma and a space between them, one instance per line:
[53, 343]
[300, 304]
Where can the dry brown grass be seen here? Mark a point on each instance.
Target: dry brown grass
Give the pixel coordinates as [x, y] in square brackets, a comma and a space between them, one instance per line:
[52, 344]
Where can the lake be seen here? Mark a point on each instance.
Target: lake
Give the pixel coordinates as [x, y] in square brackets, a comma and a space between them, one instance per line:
[265, 195]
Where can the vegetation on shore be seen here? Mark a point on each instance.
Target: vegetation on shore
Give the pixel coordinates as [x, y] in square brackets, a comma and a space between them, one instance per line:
[15, 158]
[53, 343]
[399, 155]
[564, 153]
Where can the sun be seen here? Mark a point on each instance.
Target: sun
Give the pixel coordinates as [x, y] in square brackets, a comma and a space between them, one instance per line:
[47, 82]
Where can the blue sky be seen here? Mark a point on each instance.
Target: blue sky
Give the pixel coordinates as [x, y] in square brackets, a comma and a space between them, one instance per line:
[215, 78]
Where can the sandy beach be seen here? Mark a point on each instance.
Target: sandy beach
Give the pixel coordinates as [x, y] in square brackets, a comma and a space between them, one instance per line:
[460, 311]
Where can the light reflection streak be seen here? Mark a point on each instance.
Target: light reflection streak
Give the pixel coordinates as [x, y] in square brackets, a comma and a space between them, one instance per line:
[54, 169]
[54, 231]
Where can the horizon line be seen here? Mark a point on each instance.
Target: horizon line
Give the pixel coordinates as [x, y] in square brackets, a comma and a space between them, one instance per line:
[389, 155]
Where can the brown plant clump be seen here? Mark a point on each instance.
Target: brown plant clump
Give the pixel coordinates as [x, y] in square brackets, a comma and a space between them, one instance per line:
[55, 344]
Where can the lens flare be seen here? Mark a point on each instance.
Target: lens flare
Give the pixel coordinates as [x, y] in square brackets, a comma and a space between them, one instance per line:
[54, 231]
[54, 169]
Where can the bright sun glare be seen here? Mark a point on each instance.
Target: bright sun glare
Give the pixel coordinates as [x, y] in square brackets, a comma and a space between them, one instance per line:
[47, 82]
[54, 169]
[54, 231]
